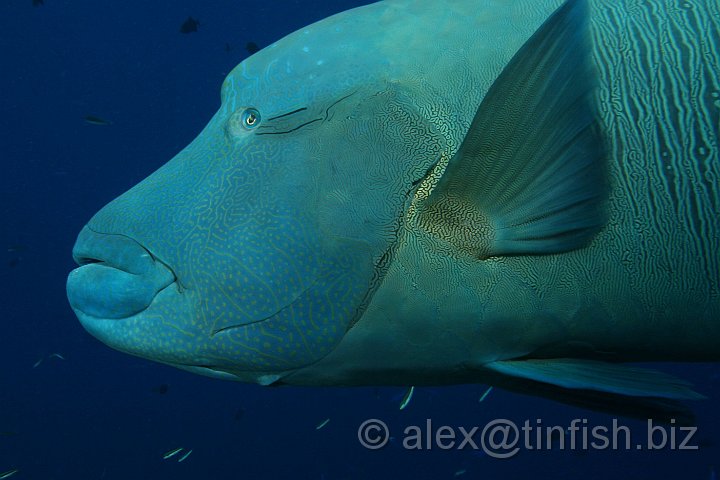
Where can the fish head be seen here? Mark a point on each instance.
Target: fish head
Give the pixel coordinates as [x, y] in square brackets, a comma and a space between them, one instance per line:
[254, 250]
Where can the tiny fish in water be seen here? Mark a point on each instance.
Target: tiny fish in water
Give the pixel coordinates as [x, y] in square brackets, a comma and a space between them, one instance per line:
[37, 3]
[93, 120]
[52, 355]
[484, 395]
[172, 453]
[7, 433]
[190, 25]
[187, 454]
[460, 472]
[252, 47]
[161, 389]
[322, 424]
[406, 398]
[239, 414]
[9, 473]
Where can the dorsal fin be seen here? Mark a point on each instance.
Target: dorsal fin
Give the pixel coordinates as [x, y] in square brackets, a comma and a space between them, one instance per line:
[530, 176]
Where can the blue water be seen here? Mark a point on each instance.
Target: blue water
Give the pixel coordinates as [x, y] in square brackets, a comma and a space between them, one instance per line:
[100, 414]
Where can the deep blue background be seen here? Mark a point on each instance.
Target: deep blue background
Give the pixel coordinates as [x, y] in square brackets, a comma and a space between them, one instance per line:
[98, 414]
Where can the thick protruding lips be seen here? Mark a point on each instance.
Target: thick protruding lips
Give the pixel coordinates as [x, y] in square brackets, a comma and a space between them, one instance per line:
[117, 277]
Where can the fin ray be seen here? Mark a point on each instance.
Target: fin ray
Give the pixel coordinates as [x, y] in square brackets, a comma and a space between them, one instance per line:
[530, 175]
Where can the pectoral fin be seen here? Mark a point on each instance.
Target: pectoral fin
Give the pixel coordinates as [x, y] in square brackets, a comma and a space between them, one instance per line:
[605, 377]
[530, 176]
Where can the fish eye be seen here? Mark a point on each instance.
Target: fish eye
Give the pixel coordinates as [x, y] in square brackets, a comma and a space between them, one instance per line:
[243, 120]
[250, 118]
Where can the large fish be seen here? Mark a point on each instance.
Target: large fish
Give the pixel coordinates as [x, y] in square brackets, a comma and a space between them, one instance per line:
[417, 192]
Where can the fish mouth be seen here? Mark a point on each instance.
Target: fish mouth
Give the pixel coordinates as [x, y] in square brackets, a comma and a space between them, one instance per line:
[117, 278]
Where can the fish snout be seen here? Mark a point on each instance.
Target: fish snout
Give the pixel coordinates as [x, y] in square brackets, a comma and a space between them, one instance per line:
[116, 278]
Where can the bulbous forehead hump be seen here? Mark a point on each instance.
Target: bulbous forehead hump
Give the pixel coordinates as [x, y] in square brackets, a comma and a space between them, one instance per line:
[318, 61]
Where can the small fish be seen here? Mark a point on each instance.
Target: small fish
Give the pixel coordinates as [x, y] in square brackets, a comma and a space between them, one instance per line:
[9, 473]
[484, 395]
[52, 355]
[161, 389]
[190, 25]
[172, 453]
[37, 3]
[16, 248]
[460, 472]
[187, 454]
[252, 47]
[406, 398]
[93, 120]
[7, 434]
[322, 424]
[239, 414]
[228, 47]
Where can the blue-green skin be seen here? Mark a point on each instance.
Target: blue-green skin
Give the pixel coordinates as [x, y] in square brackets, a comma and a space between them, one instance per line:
[298, 257]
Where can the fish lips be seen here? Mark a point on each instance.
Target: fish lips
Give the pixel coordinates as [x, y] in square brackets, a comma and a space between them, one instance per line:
[117, 277]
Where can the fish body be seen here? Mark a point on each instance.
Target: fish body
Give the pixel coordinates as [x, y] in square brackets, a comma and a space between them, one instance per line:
[172, 453]
[412, 193]
[190, 25]
[252, 47]
[185, 455]
[485, 394]
[405, 401]
[93, 120]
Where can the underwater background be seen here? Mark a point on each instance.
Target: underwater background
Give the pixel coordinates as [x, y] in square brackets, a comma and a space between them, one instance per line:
[94, 97]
